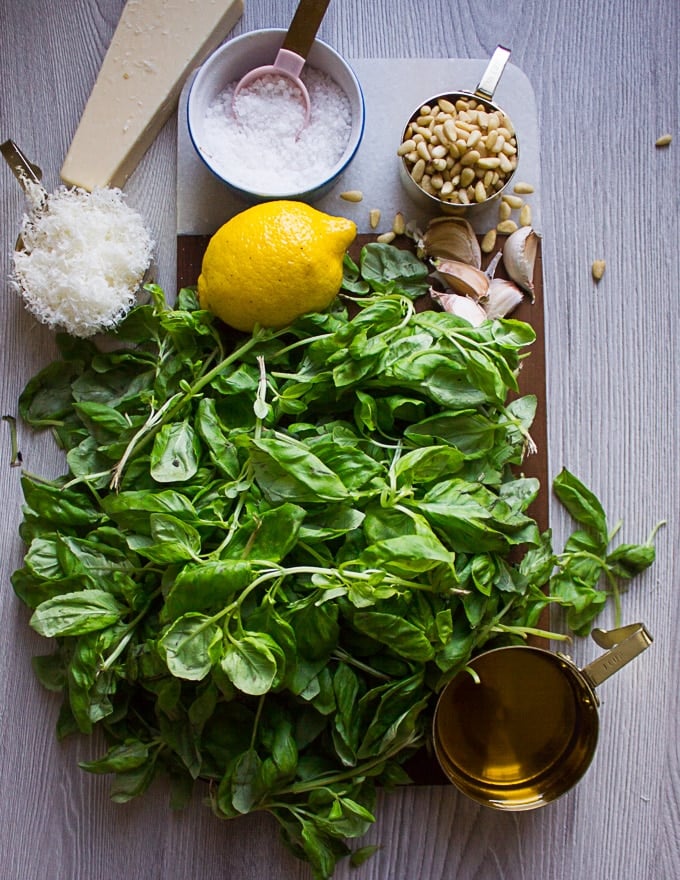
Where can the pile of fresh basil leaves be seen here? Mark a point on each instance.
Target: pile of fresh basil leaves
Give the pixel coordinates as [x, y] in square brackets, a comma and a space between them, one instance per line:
[269, 553]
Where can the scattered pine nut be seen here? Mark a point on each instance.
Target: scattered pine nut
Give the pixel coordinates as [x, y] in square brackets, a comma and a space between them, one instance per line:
[399, 225]
[504, 211]
[664, 140]
[352, 195]
[506, 227]
[523, 188]
[598, 268]
[374, 217]
[489, 241]
[386, 237]
[513, 201]
[525, 216]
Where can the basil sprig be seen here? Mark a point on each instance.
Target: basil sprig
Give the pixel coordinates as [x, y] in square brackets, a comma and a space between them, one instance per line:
[267, 556]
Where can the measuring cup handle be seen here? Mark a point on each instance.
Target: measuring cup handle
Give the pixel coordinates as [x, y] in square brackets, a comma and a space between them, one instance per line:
[624, 644]
[492, 74]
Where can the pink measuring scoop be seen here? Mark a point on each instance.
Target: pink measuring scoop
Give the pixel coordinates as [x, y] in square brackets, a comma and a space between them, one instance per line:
[293, 53]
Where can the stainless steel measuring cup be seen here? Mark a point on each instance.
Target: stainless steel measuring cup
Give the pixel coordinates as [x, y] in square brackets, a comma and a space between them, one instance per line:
[518, 728]
[417, 171]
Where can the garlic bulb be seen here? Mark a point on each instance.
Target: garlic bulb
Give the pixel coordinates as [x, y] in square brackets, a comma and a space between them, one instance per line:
[519, 257]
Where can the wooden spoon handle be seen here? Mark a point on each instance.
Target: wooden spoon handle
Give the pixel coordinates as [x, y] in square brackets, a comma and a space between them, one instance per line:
[303, 27]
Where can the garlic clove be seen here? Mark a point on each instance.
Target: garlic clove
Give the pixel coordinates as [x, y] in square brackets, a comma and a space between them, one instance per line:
[452, 238]
[502, 298]
[519, 257]
[462, 306]
[462, 278]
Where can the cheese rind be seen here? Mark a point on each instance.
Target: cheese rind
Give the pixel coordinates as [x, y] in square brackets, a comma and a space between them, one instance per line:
[156, 44]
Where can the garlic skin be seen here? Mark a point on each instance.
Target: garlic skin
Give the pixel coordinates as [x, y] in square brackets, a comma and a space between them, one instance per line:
[519, 257]
[502, 298]
[452, 238]
[463, 278]
[462, 306]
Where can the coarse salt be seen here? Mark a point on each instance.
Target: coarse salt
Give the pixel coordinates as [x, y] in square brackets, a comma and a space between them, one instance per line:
[264, 147]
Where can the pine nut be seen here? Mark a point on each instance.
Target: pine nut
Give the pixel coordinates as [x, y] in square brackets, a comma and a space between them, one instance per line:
[406, 146]
[418, 170]
[480, 192]
[597, 269]
[450, 130]
[523, 188]
[525, 216]
[422, 151]
[504, 211]
[386, 237]
[489, 241]
[467, 175]
[664, 140]
[506, 227]
[489, 162]
[514, 201]
[374, 217]
[352, 195]
[470, 158]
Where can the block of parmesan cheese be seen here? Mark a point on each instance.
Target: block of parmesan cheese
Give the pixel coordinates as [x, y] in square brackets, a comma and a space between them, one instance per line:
[156, 45]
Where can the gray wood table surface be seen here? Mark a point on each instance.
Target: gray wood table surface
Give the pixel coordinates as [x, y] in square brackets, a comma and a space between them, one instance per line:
[606, 77]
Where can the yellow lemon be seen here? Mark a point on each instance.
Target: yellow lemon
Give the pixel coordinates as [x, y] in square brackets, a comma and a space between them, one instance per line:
[272, 263]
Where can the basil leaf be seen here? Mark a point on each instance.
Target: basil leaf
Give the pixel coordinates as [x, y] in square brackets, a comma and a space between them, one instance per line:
[582, 504]
[399, 635]
[175, 453]
[287, 471]
[121, 758]
[250, 663]
[72, 614]
[206, 586]
[187, 646]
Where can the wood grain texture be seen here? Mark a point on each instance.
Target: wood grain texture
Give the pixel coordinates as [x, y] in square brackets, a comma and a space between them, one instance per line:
[607, 81]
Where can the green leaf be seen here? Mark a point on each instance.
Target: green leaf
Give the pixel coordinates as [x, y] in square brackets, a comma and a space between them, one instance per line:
[251, 663]
[187, 646]
[287, 471]
[131, 510]
[119, 759]
[245, 791]
[58, 505]
[582, 504]
[407, 555]
[400, 636]
[175, 453]
[389, 269]
[72, 614]
[171, 540]
[132, 783]
[627, 560]
[207, 586]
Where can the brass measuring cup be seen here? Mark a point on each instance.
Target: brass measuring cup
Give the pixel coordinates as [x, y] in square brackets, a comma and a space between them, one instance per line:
[521, 729]
[482, 95]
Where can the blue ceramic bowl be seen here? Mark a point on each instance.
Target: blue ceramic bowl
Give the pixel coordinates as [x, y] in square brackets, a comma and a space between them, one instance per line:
[228, 64]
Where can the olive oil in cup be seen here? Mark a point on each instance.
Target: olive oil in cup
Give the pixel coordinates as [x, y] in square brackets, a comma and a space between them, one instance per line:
[518, 728]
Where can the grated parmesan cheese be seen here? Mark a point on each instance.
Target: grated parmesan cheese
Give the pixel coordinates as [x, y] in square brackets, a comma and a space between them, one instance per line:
[83, 259]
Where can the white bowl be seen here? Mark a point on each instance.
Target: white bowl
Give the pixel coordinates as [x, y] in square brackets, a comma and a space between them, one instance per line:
[228, 64]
